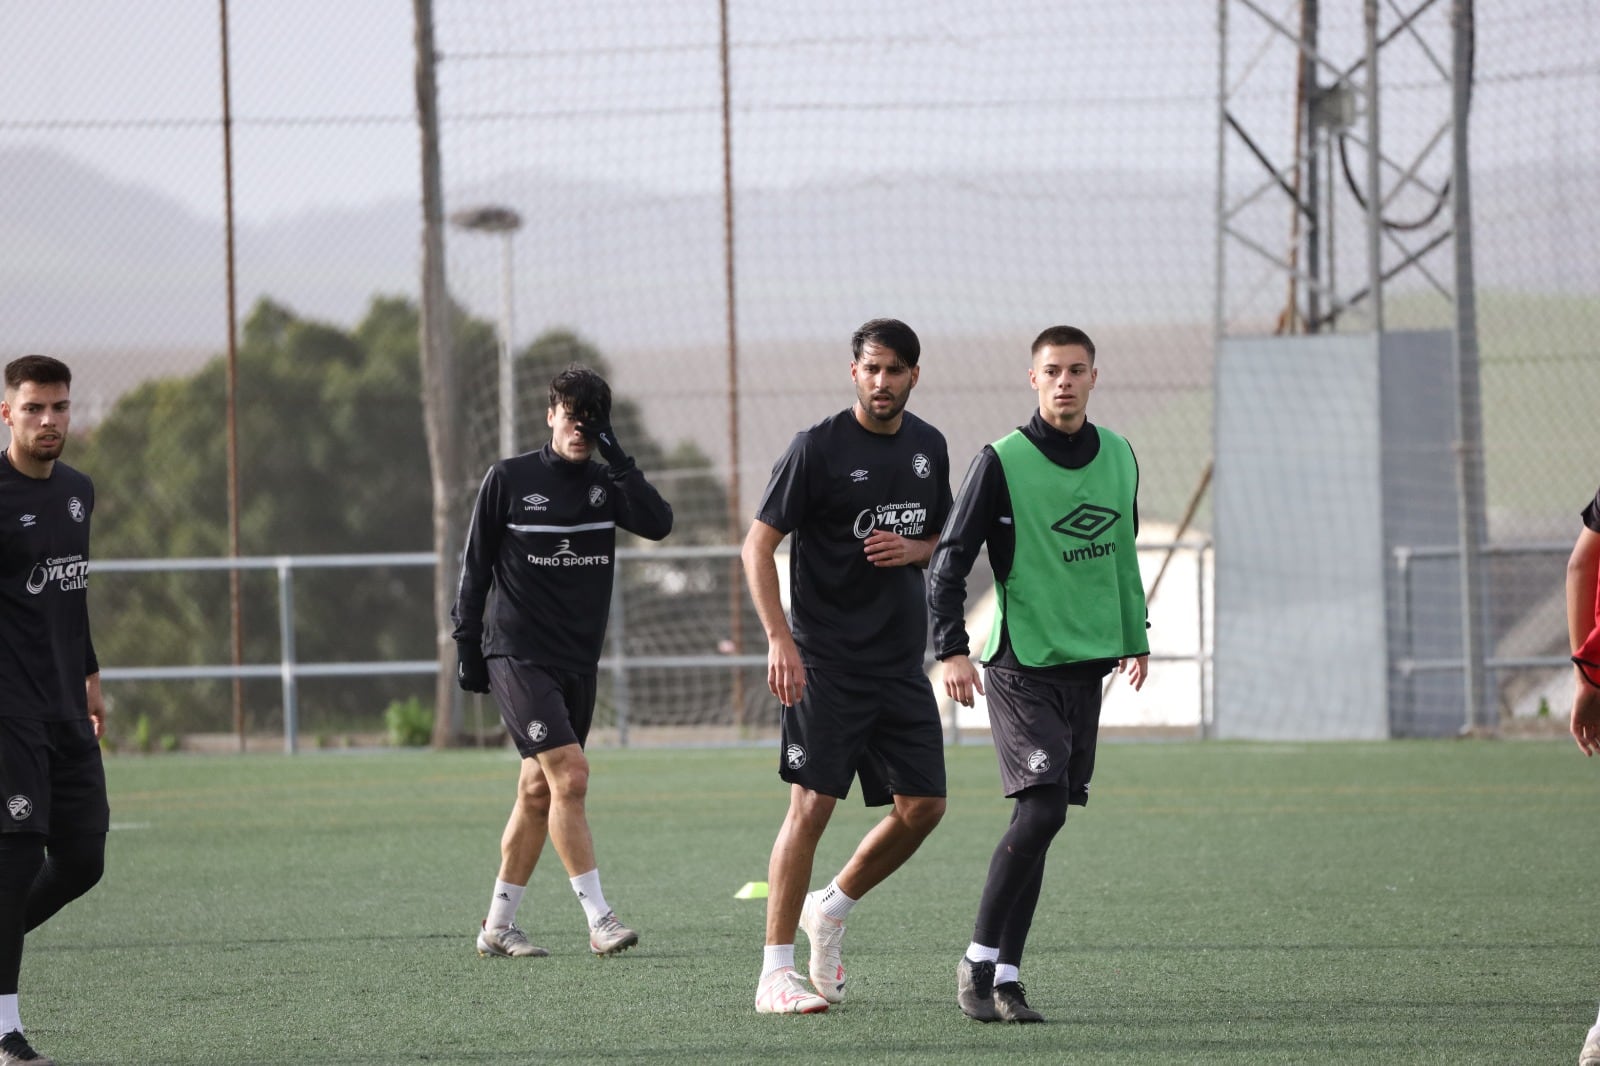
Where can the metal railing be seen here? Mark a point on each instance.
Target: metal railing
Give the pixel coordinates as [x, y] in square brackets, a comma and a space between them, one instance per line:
[289, 670]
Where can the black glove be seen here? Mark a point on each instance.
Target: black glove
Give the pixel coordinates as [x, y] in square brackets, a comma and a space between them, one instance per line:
[599, 430]
[472, 673]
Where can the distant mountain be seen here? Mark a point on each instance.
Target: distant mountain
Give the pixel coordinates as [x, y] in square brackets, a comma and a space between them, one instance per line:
[130, 284]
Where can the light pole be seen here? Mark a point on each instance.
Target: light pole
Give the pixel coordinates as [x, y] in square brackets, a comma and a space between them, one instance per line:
[493, 218]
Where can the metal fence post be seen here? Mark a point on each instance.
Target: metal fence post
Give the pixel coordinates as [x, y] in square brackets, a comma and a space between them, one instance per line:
[291, 702]
[619, 660]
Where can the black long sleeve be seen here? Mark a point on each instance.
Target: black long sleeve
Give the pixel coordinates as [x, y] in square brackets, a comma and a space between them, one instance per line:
[980, 515]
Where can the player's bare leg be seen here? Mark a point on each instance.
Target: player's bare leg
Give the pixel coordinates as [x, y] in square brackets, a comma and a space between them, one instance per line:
[566, 769]
[789, 868]
[782, 990]
[888, 845]
[884, 849]
[520, 847]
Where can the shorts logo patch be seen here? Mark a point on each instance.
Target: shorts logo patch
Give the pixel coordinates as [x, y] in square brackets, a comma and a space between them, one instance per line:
[537, 731]
[1038, 762]
[20, 807]
[795, 756]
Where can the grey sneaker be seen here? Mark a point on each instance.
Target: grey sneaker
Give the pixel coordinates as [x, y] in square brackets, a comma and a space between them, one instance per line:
[16, 1051]
[975, 990]
[1590, 1055]
[827, 941]
[1011, 1003]
[508, 943]
[609, 936]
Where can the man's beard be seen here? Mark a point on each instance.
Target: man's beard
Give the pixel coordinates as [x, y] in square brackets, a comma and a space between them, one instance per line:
[43, 453]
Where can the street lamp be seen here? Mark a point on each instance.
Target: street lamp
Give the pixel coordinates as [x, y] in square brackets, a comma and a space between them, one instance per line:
[493, 218]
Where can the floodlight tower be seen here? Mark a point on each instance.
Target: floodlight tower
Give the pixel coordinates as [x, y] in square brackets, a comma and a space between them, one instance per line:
[495, 218]
[1343, 207]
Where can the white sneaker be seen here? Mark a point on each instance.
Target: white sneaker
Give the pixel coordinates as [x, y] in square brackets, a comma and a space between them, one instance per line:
[507, 943]
[827, 941]
[1590, 1055]
[784, 992]
[609, 936]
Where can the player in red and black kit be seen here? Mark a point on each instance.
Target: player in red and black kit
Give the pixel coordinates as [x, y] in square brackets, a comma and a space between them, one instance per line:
[1583, 632]
[541, 555]
[862, 495]
[53, 810]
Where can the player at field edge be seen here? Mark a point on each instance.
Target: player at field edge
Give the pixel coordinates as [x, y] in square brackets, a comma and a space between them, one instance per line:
[861, 494]
[1056, 502]
[55, 817]
[1583, 633]
[543, 540]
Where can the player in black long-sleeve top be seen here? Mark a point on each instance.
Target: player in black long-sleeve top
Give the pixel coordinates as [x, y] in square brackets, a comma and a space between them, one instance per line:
[530, 622]
[1056, 502]
[54, 817]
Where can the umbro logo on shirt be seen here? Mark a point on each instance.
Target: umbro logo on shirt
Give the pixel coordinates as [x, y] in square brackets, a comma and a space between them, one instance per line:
[28, 520]
[858, 476]
[536, 502]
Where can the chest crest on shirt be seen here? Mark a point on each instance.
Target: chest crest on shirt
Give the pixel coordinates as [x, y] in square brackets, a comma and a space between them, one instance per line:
[597, 495]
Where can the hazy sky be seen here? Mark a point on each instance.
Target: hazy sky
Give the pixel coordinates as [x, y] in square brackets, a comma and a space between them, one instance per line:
[323, 91]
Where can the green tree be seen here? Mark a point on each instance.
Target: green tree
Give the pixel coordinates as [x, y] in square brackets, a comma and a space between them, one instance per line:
[332, 460]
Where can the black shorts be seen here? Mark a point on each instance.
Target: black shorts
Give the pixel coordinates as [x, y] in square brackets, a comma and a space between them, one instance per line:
[884, 729]
[542, 707]
[1044, 729]
[51, 778]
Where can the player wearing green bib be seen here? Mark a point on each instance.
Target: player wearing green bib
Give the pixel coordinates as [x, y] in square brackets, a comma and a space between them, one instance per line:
[1056, 505]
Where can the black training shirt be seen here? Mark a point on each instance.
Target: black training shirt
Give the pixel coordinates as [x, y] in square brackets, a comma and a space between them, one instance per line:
[544, 539]
[837, 482]
[45, 650]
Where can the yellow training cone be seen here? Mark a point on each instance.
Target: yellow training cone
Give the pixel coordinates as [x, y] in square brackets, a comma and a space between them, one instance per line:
[752, 890]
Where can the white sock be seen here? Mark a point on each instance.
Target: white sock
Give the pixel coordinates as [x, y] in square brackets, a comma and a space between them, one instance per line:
[776, 957]
[1004, 973]
[587, 886]
[503, 904]
[980, 953]
[833, 902]
[11, 1021]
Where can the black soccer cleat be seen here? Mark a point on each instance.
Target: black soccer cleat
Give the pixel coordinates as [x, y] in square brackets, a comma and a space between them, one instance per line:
[975, 990]
[16, 1051]
[1011, 1003]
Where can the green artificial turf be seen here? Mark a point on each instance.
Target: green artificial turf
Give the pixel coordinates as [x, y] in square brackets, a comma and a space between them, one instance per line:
[1402, 902]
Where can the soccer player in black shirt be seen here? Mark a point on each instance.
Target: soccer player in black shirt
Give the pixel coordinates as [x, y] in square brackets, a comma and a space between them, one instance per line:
[862, 495]
[54, 817]
[543, 542]
[1056, 501]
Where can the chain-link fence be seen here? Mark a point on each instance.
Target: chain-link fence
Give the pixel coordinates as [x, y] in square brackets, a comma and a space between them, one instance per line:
[710, 225]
